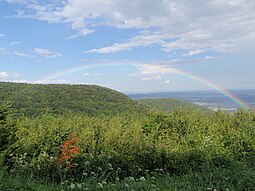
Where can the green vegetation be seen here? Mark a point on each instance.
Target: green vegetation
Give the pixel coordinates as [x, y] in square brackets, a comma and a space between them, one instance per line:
[36, 99]
[179, 150]
[216, 178]
[170, 104]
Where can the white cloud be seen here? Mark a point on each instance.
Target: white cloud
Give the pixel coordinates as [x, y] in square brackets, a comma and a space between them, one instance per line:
[167, 82]
[21, 81]
[215, 25]
[138, 41]
[15, 43]
[86, 74]
[2, 35]
[194, 52]
[46, 53]
[52, 81]
[22, 54]
[4, 75]
[17, 1]
[153, 71]
[2, 50]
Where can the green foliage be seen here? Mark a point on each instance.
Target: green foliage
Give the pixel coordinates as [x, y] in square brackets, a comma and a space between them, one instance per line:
[7, 128]
[115, 145]
[210, 178]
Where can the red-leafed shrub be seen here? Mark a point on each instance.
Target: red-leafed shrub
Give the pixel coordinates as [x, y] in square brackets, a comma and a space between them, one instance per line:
[69, 151]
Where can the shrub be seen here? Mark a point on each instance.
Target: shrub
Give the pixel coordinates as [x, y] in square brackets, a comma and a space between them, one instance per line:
[110, 148]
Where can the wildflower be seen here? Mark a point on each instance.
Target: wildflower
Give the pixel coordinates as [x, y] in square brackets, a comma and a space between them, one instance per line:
[100, 185]
[79, 185]
[131, 178]
[109, 157]
[110, 166]
[142, 178]
[87, 163]
[72, 186]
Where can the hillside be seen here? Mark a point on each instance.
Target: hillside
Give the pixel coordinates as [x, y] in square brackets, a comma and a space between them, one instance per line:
[34, 99]
[170, 104]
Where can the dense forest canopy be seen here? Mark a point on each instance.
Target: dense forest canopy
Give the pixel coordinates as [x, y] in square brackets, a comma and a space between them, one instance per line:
[170, 104]
[35, 99]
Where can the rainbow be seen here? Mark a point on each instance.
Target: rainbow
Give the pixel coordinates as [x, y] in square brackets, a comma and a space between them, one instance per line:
[196, 78]
[216, 87]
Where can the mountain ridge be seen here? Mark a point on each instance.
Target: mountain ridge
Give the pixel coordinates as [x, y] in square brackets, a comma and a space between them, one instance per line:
[34, 99]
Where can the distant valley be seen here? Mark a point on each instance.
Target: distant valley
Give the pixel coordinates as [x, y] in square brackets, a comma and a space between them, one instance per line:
[210, 99]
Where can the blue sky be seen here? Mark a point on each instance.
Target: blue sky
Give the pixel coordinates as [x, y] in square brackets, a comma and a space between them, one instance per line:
[129, 45]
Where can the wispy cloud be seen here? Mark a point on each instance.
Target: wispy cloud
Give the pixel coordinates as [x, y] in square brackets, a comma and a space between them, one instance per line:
[194, 52]
[138, 41]
[46, 53]
[167, 82]
[15, 43]
[22, 54]
[2, 35]
[86, 74]
[2, 50]
[193, 27]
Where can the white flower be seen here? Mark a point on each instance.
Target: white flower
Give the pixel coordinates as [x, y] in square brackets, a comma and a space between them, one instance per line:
[131, 178]
[99, 185]
[72, 186]
[142, 178]
[79, 185]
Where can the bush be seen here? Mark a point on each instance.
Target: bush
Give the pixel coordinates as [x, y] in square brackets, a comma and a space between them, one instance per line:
[110, 148]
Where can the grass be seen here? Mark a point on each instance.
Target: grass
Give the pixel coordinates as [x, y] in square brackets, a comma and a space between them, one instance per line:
[213, 178]
[11, 183]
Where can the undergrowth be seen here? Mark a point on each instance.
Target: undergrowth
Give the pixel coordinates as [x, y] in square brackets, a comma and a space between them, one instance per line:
[183, 150]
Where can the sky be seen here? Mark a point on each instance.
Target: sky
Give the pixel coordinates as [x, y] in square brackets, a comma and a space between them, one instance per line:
[129, 45]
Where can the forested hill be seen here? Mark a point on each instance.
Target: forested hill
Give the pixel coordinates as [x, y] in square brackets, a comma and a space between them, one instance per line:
[170, 104]
[35, 99]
